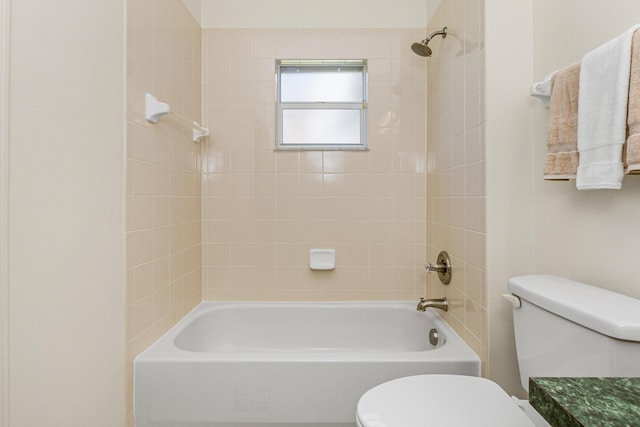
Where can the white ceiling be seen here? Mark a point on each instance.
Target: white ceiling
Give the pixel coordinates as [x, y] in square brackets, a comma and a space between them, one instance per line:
[311, 13]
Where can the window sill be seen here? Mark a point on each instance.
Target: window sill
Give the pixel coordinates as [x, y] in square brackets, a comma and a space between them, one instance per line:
[311, 147]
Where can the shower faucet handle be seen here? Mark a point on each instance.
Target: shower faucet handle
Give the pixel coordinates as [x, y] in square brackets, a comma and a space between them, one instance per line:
[442, 267]
[435, 267]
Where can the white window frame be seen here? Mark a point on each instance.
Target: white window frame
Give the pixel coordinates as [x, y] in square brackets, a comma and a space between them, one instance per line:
[282, 106]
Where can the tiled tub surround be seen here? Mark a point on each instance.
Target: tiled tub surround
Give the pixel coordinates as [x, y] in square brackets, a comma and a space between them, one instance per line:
[456, 167]
[163, 187]
[264, 209]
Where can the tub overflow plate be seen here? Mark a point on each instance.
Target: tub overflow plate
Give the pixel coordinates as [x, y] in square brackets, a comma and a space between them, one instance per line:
[433, 337]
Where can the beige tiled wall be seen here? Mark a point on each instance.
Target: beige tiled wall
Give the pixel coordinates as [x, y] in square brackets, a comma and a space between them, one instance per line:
[163, 175]
[456, 166]
[264, 210]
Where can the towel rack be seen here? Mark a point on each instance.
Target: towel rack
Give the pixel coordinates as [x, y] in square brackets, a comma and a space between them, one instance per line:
[156, 109]
[542, 90]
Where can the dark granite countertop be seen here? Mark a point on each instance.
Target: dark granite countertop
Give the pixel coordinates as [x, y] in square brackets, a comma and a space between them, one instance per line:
[587, 402]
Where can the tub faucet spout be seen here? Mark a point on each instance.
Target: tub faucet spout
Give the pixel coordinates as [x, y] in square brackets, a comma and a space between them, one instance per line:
[440, 303]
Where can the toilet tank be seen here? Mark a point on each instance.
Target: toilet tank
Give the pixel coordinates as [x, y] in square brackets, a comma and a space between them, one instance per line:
[565, 328]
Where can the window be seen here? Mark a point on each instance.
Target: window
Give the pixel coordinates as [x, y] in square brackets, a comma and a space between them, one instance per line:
[322, 104]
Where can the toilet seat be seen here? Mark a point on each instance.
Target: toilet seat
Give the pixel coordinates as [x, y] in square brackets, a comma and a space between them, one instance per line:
[439, 400]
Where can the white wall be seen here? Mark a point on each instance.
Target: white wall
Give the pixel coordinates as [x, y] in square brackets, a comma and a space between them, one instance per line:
[4, 199]
[591, 236]
[194, 7]
[432, 7]
[309, 13]
[535, 226]
[66, 284]
[509, 172]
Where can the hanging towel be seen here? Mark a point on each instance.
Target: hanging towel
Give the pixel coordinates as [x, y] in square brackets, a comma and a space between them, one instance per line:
[602, 116]
[632, 155]
[561, 161]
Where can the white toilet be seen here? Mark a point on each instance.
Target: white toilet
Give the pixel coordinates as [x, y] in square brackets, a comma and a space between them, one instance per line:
[562, 329]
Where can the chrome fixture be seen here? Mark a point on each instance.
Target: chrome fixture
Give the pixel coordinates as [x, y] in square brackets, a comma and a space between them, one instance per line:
[433, 336]
[442, 267]
[422, 48]
[440, 303]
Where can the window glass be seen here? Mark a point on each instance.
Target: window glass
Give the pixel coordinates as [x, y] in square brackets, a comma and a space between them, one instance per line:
[321, 127]
[321, 84]
[322, 104]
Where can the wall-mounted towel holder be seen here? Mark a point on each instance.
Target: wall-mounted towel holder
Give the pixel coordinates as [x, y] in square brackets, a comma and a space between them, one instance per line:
[156, 109]
[542, 90]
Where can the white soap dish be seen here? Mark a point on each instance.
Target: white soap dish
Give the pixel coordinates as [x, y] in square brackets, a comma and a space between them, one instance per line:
[322, 259]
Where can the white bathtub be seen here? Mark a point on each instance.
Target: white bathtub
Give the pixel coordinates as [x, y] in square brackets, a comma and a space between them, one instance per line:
[287, 364]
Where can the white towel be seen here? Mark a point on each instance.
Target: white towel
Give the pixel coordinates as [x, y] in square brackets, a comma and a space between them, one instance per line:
[602, 113]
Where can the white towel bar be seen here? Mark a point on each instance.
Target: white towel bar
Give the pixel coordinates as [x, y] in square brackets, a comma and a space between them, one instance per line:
[542, 90]
[156, 109]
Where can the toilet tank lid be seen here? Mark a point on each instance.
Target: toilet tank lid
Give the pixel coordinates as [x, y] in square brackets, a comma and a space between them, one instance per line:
[604, 311]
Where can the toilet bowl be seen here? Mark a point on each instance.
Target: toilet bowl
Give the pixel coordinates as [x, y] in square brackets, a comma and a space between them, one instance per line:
[562, 328]
[439, 400]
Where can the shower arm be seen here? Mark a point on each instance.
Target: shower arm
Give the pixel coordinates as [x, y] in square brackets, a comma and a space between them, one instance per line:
[442, 32]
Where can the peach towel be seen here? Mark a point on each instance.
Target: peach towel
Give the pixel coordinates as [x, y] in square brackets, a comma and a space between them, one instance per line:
[562, 156]
[632, 149]
[562, 145]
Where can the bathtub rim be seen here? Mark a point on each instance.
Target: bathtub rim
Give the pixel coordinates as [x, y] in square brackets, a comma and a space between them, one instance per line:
[164, 348]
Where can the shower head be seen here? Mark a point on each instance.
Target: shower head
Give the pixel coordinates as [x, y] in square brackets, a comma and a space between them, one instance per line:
[422, 48]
